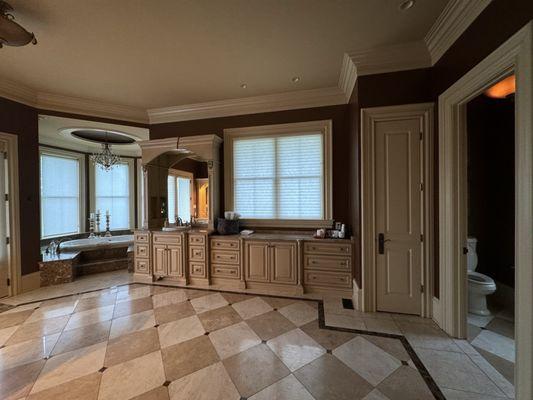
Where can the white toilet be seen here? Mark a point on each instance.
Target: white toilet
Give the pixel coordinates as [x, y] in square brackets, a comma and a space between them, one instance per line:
[479, 285]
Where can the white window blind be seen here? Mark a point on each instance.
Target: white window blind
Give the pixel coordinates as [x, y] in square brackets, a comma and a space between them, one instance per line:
[179, 198]
[60, 195]
[171, 183]
[280, 177]
[112, 192]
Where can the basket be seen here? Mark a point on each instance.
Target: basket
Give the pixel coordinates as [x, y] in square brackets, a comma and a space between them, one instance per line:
[227, 226]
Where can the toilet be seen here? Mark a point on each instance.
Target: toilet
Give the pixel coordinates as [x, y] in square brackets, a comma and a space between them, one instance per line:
[479, 285]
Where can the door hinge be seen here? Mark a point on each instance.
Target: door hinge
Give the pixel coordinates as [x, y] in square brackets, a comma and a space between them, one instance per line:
[421, 238]
[421, 135]
[421, 288]
[8, 282]
[7, 240]
[7, 197]
[421, 186]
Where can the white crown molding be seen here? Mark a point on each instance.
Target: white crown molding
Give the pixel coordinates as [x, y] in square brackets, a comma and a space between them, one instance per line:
[15, 91]
[399, 57]
[451, 23]
[249, 105]
[348, 76]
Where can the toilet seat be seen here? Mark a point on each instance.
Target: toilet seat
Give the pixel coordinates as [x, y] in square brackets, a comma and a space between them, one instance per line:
[480, 279]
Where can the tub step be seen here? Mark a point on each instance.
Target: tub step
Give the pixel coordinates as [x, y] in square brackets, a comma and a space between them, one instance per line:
[95, 267]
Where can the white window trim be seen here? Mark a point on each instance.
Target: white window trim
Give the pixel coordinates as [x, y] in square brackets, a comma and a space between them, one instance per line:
[140, 193]
[324, 127]
[131, 184]
[192, 199]
[82, 206]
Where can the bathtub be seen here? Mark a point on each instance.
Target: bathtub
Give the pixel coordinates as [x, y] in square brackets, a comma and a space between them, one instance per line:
[97, 243]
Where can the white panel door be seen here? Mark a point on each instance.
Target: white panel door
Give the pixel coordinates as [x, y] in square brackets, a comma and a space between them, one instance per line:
[398, 215]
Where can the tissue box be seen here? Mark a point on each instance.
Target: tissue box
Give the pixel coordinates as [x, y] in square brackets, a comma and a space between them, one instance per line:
[227, 226]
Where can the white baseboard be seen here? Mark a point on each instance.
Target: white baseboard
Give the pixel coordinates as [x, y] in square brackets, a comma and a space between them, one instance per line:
[31, 281]
[357, 296]
[437, 311]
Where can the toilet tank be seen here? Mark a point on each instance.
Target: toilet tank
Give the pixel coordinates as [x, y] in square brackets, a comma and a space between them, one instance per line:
[471, 257]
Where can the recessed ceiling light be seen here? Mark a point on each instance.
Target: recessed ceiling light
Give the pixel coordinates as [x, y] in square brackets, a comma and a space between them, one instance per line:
[244, 86]
[295, 79]
[406, 5]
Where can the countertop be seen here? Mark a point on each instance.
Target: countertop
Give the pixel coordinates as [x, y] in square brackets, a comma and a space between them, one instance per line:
[63, 256]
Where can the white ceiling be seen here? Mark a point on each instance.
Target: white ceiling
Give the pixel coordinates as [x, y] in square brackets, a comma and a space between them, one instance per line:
[50, 133]
[160, 53]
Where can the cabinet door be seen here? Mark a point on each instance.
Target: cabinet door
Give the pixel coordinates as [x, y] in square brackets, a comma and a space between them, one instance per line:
[257, 261]
[283, 262]
[160, 260]
[175, 261]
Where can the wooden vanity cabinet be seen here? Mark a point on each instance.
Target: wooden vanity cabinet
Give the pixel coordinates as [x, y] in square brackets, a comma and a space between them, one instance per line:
[198, 258]
[328, 265]
[168, 260]
[271, 262]
[225, 258]
[141, 254]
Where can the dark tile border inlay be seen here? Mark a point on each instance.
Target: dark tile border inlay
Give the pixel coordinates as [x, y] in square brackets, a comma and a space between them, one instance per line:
[348, 304]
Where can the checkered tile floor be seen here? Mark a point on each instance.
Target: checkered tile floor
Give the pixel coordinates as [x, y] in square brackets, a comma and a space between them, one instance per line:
[155, 342]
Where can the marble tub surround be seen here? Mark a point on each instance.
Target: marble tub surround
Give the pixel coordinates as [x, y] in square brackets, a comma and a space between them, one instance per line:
[151, 341]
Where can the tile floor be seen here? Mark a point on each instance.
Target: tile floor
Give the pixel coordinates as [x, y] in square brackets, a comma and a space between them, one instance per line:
[155, 342]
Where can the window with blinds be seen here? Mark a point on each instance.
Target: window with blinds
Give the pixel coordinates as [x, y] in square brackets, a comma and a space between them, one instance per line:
[279, 176]
[112, 192]
[60, 195]
[179, 198]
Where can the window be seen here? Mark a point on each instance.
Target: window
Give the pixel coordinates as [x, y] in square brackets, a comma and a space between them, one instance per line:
[61, 193]
[279, 175]
[113, 192]
[179, 196]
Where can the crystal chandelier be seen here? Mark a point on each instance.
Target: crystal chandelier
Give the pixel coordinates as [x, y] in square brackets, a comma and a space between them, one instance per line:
[106, 160]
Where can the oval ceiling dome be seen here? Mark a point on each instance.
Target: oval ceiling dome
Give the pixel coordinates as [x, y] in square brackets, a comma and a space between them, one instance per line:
[101, 136]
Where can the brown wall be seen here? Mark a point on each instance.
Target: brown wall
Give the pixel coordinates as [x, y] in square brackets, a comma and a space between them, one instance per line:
[22, 120]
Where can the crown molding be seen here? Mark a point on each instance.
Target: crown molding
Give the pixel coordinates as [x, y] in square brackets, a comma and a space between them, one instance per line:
[16, 92]
[348, 76]
[249, 105]
[451, 23]
[398, 57]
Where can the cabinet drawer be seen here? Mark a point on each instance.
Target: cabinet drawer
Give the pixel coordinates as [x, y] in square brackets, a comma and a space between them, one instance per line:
[327, 248]
[327, 262]
[225, 244]
[225, 271]
[197, 269]
[197, 239]
[225, 257]
[196, 253]
[167, 239]
[331, 279]
[142, 267]
[141, 250]
[141, 237]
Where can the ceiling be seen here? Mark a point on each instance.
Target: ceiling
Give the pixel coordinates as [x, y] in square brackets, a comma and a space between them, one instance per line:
[150, 54]
[52, 132]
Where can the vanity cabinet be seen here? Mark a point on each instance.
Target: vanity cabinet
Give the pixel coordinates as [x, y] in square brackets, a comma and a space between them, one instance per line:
[225, 257]
[168, 260]
[328, 265]
[141, 253]
[198, 258]
[271, 262]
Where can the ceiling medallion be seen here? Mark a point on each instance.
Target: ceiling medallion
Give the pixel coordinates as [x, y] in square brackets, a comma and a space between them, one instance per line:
[11, 33]
[106, 159]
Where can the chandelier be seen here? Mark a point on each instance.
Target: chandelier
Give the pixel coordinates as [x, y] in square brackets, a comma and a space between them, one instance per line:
[11, 33]
[106, 160]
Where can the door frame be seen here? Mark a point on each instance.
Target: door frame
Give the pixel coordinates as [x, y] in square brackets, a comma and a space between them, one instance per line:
[15, 265]
[369, 117]
[516, 54]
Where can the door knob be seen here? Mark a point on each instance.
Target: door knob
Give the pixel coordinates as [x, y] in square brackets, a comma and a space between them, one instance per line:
[381, 243]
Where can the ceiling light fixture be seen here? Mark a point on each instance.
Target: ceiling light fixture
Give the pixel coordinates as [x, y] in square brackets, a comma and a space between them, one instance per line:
[106, 159]
[11, 33]
[406, 5]
[295, 79]
[244, 86]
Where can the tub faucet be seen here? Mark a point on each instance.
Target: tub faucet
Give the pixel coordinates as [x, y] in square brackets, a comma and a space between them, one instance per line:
[179, 221]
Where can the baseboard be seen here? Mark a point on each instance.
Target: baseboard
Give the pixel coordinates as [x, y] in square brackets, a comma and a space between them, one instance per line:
[31, 281]
[357, 296]
[437, 311]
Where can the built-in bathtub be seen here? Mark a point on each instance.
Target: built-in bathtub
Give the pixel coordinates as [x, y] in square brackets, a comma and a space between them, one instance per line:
[96, 243]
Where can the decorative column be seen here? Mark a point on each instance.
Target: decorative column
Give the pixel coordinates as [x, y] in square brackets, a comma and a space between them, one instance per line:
[145, 197]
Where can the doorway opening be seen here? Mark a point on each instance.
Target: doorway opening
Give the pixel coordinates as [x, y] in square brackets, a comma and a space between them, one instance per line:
[491, 225]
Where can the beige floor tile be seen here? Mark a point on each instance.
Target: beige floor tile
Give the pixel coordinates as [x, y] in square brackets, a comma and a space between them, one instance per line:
[194, 294]
[84, 388]
[90, 317]
[219, 318]
[235, 297]
[456, 371]
[367, 360]
[382, 326]
[185, 358]
[497, 344]
[504, 367]
[6, 333]
[132, 323]
[95, 302]
[251, 307]
[82, 337]
[426, 336]
[133, 293]
[405, 382]
[16, 383]
[295, 349]
[171, 297]
[61, 302]
[173, 312]
[50, 312]
[133, 345]
[37, 329]
[194, 387]
[375, 395]
[329, 339]
[25, 307]
[159, 393]
[132, 378]
[503, 384]
[132, 307]
[255, 369]
[25, 352]
[180, 331]
[270, 325]
[345, 321]
[392, 346]
[288, 388]
[233, 339]
[299, 313]
[328, 378]
[451, 394]
[14, 318]
[502, 326]
[209, 302]
[279, 302]
[68, 366]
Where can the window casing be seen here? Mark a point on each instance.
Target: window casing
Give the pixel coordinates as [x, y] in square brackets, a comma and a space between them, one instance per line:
[62, 191]
[180, 195]
[279, 175]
